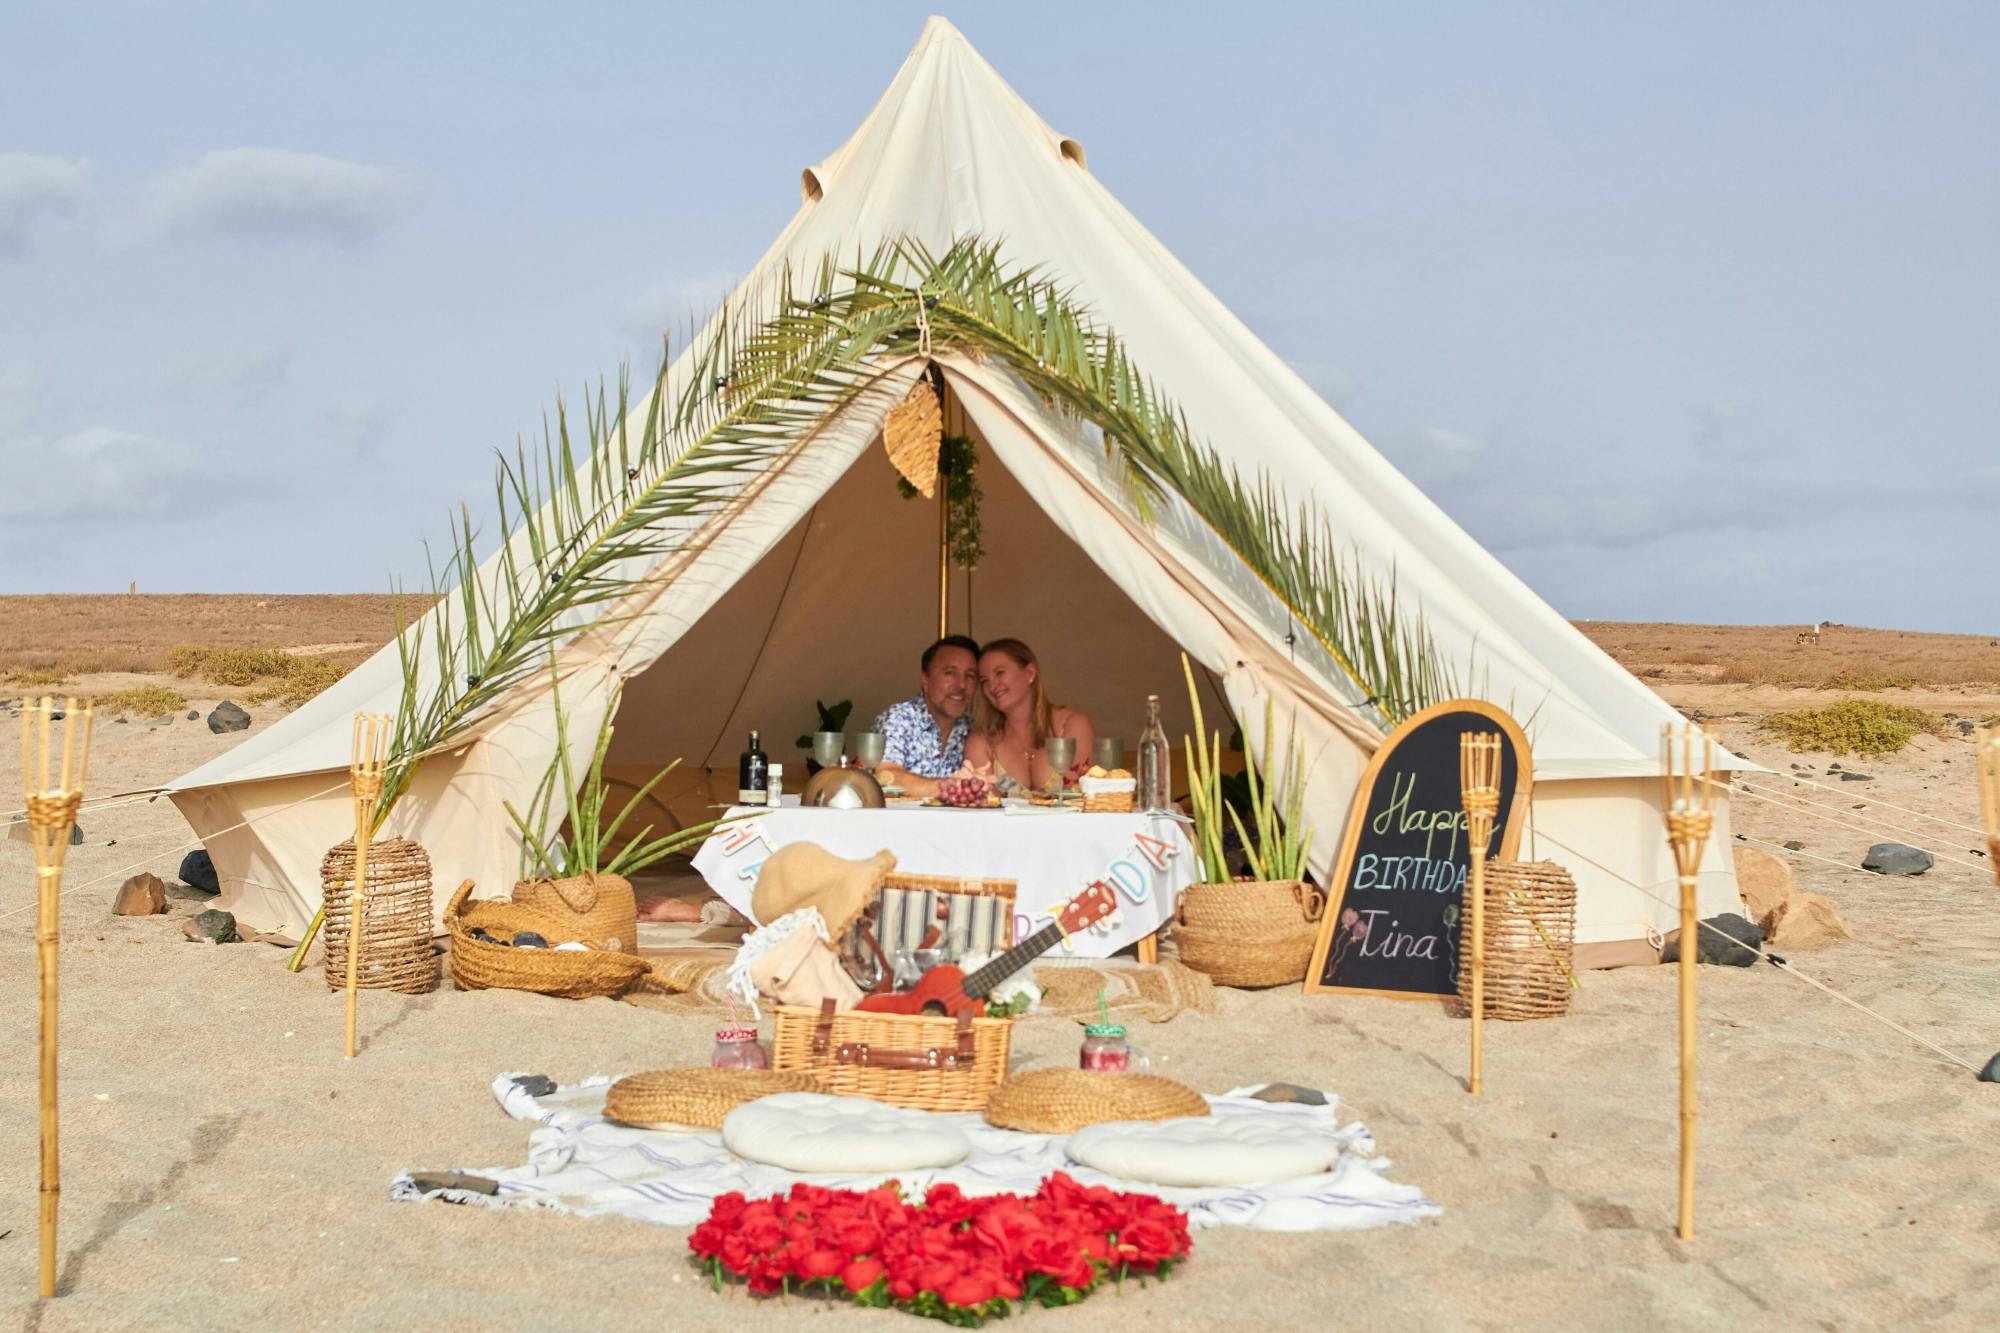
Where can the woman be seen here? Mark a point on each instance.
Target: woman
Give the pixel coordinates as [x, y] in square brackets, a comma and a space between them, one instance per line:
[1012, 718]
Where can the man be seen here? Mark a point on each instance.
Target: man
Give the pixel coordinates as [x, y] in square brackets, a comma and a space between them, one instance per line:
[924, 737]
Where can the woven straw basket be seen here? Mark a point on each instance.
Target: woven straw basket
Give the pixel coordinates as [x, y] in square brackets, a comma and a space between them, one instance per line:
[1062, 1101]
[1110, 803]
[1530, 941]
[396, 949]
[477, 965]
[932, 1064]
[1250, 933]
[598, 910]
[696, 1095]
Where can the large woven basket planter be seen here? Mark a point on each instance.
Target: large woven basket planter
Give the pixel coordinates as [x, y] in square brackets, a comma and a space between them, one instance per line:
[396, 949]
[569, 975]
[932, 1064]
[1530, 941]
[1249, 933]
[598, 910]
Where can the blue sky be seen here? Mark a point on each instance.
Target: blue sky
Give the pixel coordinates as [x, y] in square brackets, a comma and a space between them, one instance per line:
[1686, 311]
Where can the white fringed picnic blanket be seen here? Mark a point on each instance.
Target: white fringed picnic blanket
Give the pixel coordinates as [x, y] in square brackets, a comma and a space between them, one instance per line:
[581, 1163]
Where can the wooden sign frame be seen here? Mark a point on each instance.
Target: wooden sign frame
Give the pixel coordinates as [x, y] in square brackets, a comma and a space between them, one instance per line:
[1343, 866]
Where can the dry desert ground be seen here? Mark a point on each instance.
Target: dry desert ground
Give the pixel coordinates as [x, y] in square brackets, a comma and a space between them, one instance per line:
[224, 1167]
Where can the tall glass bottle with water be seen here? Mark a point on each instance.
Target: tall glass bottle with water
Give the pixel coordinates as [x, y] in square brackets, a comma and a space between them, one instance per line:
[1155, 789]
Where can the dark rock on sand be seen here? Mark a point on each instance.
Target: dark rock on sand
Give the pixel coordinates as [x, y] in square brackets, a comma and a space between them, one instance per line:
[194, 715]
[198, 872]
[1725, 948]
[1896, 858]
[210, 927]
[228, 717]
[1991, 1074]
[1851, 776]
[1794, 845]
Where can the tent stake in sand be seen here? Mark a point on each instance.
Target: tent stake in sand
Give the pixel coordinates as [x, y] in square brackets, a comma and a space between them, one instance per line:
[364, 775]
[1987, 753]
[1690, 814]
[53, 799]
[1479, 787]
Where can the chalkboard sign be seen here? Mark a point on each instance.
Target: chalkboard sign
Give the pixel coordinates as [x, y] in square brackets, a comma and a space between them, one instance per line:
[1395, 905]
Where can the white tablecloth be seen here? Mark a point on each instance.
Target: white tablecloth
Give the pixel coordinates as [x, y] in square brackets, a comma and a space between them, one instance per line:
[1051, 855]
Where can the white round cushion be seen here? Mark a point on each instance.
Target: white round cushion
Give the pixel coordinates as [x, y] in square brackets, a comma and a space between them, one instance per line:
[1205, 1150]
[810, 1131]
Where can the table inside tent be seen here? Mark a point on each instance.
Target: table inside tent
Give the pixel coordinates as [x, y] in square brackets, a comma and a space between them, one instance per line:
[1051, 854]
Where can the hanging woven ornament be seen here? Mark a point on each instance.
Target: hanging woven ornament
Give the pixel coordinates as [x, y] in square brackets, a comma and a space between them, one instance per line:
[912, 434]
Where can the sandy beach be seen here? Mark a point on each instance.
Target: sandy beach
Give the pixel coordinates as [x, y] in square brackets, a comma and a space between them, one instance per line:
[224, 1167]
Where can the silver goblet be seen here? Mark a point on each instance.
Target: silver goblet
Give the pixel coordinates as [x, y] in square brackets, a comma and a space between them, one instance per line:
[828, 746]
[868, 748]
[1108, 753]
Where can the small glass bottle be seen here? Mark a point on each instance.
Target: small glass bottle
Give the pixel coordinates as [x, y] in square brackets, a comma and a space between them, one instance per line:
[752, 774]
[774, 794]
[738, 1048]
[1155, 788]
[1104, 1049]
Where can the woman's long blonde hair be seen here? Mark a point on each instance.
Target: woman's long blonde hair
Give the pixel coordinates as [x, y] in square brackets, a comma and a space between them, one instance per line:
[987, 718]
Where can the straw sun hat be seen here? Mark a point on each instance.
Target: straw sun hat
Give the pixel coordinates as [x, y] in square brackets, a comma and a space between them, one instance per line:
[804, 874]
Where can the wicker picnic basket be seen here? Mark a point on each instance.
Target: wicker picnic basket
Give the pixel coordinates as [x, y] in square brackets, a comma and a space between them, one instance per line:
[1109, 803]
[1530, 941]
[396, 949]
[567, 974]
[1249, 933]
[931, 1064]
[598, 910]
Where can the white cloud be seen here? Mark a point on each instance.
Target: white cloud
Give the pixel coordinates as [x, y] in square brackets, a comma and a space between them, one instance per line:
[96, 473]
[669, 305]
[1452, 441]
[33, 186]
[359, 420]
[24, 392]
[274, 193]
[236, 377]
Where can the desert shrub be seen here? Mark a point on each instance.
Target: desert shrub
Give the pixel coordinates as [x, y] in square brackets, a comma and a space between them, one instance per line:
[1853, 726]
[228, 666]
[144, 701]
[304, 677]
[1848, 680]
[36, 676]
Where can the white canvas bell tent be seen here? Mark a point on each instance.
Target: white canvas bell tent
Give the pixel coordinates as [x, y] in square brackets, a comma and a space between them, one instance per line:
[818, 582]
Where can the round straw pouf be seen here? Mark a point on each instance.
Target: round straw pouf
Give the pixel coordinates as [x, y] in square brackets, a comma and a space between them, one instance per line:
[1249, 933]
[1530, 941]
[696, 1096]
[567, 974]
[598, 910]
[396, 949]
[1062, 1101]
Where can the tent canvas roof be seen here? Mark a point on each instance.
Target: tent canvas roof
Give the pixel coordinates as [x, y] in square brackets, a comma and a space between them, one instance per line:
[951, 151]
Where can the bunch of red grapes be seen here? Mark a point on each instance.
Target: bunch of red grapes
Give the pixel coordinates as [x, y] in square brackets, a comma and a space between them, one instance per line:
[963, 791]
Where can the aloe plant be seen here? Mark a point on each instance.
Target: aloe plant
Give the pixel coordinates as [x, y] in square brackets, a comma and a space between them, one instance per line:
[590, 837]
[1277, 806]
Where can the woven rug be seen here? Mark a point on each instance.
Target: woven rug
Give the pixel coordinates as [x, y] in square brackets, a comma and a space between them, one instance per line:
[1149, 992]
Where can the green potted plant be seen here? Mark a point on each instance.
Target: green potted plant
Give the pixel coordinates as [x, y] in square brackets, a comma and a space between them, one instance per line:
[1256, 930]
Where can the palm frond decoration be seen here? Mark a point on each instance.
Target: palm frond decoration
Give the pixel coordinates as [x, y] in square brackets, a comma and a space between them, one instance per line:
[587, 521]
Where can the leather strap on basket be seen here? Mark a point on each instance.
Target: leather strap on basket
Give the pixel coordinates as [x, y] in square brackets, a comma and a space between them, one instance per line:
[957, 1056]
[1312, 899]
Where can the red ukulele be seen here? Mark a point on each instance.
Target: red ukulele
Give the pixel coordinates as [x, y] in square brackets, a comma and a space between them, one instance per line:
[946, 990]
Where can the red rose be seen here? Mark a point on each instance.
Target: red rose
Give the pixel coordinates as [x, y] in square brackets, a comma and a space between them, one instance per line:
[822, 1263]
[968, 1289]
[861, 1274]
[902, 1289]
[736, 1254]
[937, 1275]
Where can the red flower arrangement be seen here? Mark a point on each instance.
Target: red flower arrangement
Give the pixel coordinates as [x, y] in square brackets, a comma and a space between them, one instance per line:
[959, 1259]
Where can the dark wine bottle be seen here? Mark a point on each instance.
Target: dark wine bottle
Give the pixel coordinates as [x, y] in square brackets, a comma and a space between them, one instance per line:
[753, 775]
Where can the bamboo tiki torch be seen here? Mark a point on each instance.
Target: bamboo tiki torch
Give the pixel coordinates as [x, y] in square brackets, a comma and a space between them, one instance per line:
[53, 797]
[1690, 813]
[1988, 753]
[364, 776]
[1479, 786]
